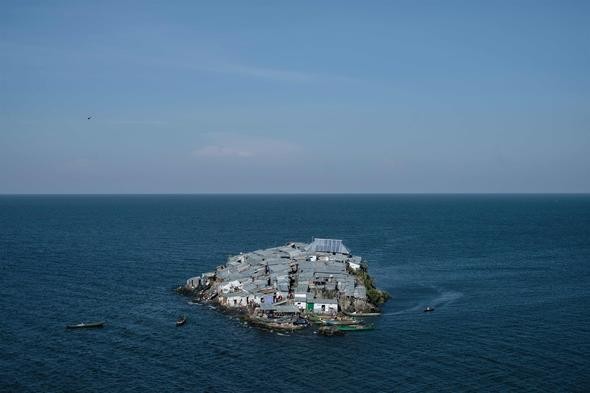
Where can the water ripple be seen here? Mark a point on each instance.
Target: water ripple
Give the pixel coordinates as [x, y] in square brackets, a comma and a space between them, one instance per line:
[508, 281]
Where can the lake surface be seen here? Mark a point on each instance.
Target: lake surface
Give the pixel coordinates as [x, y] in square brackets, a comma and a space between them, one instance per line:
[508, 275]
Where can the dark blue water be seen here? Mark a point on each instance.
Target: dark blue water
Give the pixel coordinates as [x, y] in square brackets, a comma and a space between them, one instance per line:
[509, 277]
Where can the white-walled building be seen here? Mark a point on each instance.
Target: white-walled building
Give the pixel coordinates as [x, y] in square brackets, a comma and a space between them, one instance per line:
[325, 306]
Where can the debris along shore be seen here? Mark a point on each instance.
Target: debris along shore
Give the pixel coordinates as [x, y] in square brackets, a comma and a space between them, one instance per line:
[289, 287]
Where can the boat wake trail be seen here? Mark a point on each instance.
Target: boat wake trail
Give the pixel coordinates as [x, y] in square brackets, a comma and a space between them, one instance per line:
[444, 298]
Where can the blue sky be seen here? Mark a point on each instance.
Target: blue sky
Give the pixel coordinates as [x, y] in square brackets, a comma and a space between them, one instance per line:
[318, 96]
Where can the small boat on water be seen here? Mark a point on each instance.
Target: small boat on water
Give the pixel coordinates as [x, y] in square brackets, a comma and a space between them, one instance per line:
[340, 322]
[355, 328]
[84, 325]
[316, 319]
[181, 320]
[428, 309]
[362, 314]
[301, 321]
[283, 325]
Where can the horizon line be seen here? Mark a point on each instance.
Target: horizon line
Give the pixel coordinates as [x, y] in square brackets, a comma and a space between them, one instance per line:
[288, 193]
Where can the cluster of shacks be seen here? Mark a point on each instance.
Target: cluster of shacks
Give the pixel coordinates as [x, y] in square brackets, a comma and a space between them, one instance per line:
[315, 277]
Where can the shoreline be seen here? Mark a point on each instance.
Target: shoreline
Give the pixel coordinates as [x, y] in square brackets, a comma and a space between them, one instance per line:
[291, 287]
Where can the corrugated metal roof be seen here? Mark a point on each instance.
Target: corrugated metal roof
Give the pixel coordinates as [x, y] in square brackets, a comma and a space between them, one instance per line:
[327, 245]
[317, 300]
[235, 294]
[286, 308]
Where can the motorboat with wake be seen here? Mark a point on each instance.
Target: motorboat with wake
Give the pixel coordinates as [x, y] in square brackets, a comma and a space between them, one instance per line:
[86, 325]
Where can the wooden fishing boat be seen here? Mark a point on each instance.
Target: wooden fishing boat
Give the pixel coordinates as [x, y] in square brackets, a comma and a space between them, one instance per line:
[362, 314]
[341, 322]
[428, 309]
[314, 319]
[355, 328]
[84, 325]
[274, 324]
[181, 320]
[301, 322]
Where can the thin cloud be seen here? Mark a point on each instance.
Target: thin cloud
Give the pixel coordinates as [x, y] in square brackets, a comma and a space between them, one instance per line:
[215, 151]
[139, 122]
[275, 74]
[262, 72]
[203, 62]
[244, 147]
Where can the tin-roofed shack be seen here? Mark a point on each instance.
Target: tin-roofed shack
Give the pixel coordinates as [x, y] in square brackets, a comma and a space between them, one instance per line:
[278, 285]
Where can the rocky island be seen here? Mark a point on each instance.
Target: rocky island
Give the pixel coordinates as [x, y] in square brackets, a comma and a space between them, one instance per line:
[289, 287]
